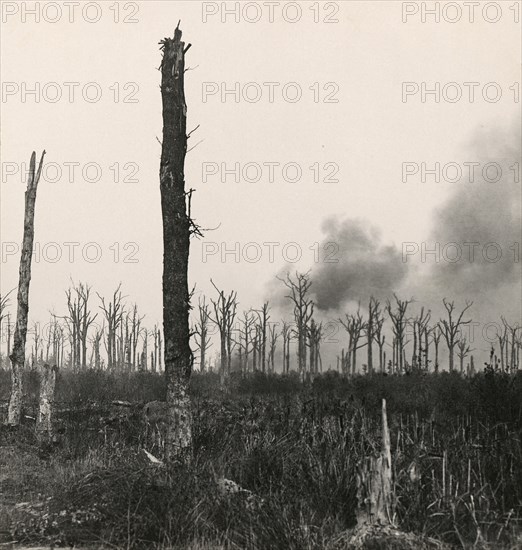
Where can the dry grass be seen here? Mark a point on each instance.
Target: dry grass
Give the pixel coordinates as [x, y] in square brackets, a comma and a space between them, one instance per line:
[456, 449]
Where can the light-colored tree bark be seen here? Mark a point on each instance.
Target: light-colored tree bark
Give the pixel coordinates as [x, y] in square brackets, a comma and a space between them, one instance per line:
[44, 423]
[17, 356]
[374, 484]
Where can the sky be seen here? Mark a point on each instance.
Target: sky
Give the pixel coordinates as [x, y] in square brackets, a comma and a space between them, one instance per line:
[327, 122]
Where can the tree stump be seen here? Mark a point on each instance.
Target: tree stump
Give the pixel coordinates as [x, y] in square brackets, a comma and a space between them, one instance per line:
[44, 423]
[374, 483]
[375, 514]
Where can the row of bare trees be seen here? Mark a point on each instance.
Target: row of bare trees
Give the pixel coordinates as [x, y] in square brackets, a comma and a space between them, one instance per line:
[255, 337]
[75, 340]
[255, 342]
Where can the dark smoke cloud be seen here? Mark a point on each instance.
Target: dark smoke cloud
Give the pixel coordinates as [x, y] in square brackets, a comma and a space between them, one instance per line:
[365, 266]
[482, 213]
[477, 212]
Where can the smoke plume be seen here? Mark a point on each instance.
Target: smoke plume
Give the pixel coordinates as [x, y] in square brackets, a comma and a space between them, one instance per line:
[354, 265]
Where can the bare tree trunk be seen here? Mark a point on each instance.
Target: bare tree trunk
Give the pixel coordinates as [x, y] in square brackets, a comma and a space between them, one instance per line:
[223, 358]
[159, 351]
[426, 350]
[8, 333]
[18, 354]
[145, 353]
[374, 484]
[414, 354]
[44, 425]
[288, 356]
[176, 244]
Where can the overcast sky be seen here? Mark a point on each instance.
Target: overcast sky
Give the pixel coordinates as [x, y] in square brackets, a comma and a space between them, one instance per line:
[352, 119]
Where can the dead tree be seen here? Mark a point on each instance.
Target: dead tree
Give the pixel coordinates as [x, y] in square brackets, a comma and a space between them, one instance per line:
[48, 341]
[56, 338]
[373, 313]
[435, 338]
[177, 229]
[96, 344]
[134, 335]
[113, 312]
[224, 315]
[87, 320]
[273, 336]
[463, 350]
[263, 317]
[245, 340]
[286, 333]
[399, 323]
[231, 341]
[17, 356]
[426, 333]
[144, 351]
[156, 366]
[4, 303]
[315, 335]
[419, 326]
[299, 288]
[354, 326]
[450, 327]
[81, 320]
[380, 338]
[512, 343]
[44, 422]
[74, 325]
[37, 337]
[502, 336]
[255, 346]
[201, 330]
[124, 355]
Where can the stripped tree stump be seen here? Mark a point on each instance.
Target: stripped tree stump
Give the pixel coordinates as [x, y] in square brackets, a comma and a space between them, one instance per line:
[376, 529]
[44, 423]
[374, 483]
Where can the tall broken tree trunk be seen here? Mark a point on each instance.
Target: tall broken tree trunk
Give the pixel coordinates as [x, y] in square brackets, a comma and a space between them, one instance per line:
[18, 354]
[374, 484]
[176, 242]
[44, 424]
